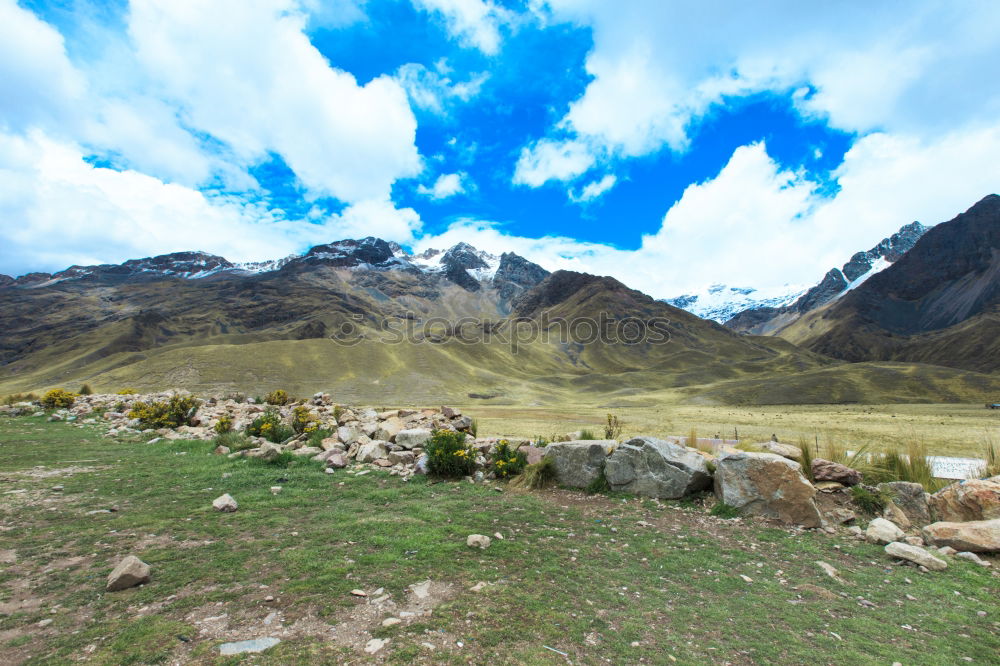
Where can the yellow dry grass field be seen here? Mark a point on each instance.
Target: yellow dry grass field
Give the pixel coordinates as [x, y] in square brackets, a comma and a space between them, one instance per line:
[946, 429]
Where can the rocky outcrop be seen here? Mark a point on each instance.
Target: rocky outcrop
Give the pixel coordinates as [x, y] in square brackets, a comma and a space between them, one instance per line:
[656, 468]
[458, 261]
[765, 484]
[978, 536]
[827, 470]
[911, 499]
[516, 275]
[975, 499]
[579, 463]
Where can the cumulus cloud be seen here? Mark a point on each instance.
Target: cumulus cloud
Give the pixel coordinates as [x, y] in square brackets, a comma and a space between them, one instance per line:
[656, 68]
[474, 23]
[548, 160]
[446, 186]
[59, 210]
[248, 75]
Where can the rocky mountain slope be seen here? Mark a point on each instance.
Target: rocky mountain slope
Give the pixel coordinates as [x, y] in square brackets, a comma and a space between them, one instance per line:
[940, 303]
[763, 318]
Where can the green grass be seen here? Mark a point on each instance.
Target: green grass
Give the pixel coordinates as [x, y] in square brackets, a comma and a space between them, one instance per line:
[574, 572]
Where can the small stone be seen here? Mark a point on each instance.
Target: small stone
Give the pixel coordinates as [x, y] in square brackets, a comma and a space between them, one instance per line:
[883, 531]
[480, 541]
[972, 557]
[915, 554]
[391, 622]
[359, 593]
[46, 622]
[130, 572]
[241, 647]
[374, 645]
[269, 598]
[275, 490]
[225, 503]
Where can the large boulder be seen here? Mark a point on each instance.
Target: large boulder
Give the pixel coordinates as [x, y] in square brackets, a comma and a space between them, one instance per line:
[977, 536]
[911, 498]
[579, 463]
[413, 437]
[975, 499]
[765, 484]
[130, 572]
[656, 468]
[827, 470]
[389, 428]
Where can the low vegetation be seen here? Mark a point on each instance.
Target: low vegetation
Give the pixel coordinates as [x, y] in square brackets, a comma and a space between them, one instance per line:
[449, 455]
[58, 399]
[171, 413]
[505, 461]
[278, 398]
[270, 426]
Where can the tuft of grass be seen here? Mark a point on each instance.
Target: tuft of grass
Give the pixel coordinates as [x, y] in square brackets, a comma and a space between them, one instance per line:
[598, 486]
[536, 476]
[15, 398]
[587, 434]
[870, 500]
[613, 427]
[723, 510]
[692, 439]
[991, 454]
[474, 428]
[236, 441]
[86, 390]
[806, 460]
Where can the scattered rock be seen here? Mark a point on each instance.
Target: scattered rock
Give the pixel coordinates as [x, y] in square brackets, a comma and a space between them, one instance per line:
[839, 516]
[241, 647]
[336, 461]
[480, 541]
[972, 500]
[914, 541]
[915, 554]
[768, 485]
[579, 463]
[827, 470]
[656, 468]
[412, 437]
[275, 490]
[225, 503]
[359, 593]
[375, 644]
[391, 622]
[895, 515]
[830, 571]
[372, 451]
[979, 536]
[130, 572]
[882, 531]
[972, 557]
[783, 450]
[829, 486]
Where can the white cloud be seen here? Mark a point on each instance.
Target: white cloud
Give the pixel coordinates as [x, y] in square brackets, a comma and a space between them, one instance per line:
[247, 74]
[595, 189]
[433, 89]
[57, 210]
[474, 23]
[657, 67]
[552, 160]
[446, 186]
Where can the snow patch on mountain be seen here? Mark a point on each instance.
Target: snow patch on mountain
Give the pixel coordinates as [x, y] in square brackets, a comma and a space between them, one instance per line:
[721, 302]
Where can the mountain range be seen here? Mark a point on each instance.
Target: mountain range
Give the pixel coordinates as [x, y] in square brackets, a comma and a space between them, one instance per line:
[371, 322]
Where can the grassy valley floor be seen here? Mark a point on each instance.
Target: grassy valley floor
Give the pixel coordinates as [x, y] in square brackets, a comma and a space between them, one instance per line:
[603, 579]
[946, 429]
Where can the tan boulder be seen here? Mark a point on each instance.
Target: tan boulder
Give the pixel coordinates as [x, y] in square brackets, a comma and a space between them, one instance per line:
[976, 536]
[975, 499]
[766, 484]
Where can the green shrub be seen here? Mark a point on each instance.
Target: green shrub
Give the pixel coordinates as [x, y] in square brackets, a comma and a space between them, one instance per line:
[338, 411]
[869, 499]
[303, 420]
[613, 427]
[506, 462]
[277, 397]
[587, 434]
[224, 424]
[86, 390]
[127, 391]
[58, 399]
[723, 510]
[317, 436]
[172, 413]
[449, 456]
[284, 459]
[536, 476]
[236, 441]
[269, 426]
[806, 460]
[598, 485]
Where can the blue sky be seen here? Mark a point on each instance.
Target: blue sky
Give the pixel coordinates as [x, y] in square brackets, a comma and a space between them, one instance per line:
[670, 145]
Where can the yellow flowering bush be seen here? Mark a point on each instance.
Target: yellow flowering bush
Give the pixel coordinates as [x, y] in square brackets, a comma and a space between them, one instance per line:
[278, 397]
[58, 399]
[448, 455]
[224, 424]
[506, 461]
[303, 420]
[172, 413]
[269, 426]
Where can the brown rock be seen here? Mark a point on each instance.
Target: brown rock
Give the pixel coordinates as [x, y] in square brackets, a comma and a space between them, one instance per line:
[130, 572]
[337, 461]
[768, 485]
[976, 536]
[975, 499]
[534, 453]
[827, 470]
[911, 499]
